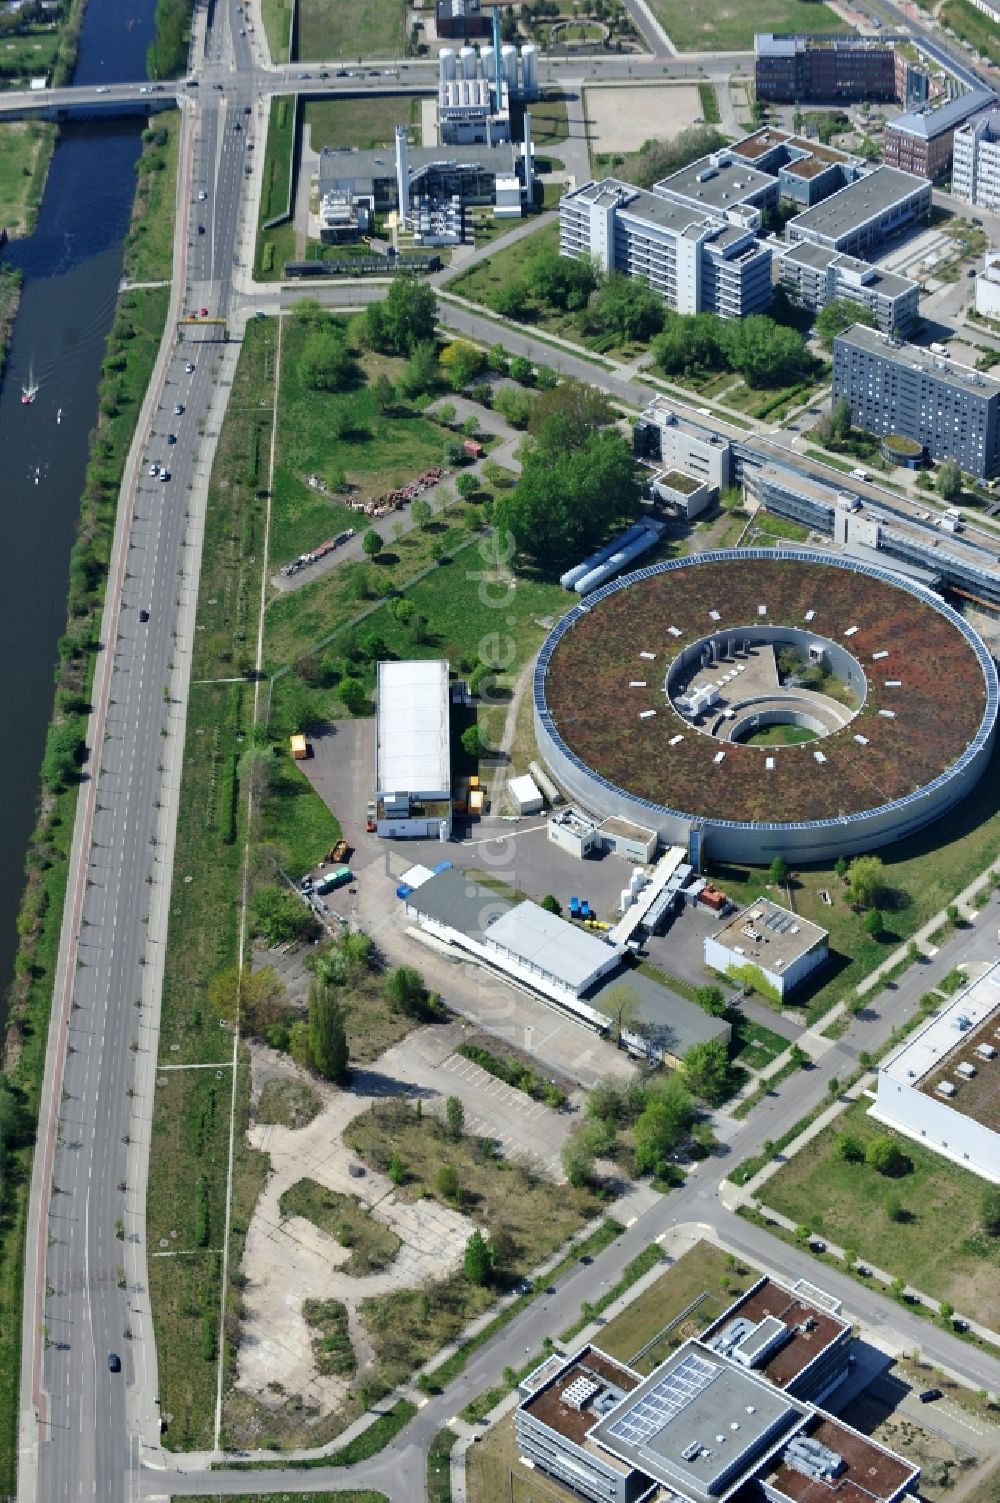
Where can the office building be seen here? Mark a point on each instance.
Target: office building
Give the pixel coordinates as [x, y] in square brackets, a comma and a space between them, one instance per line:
[953, 411]
[813, 276]
[724, 1416]
[988, 287]
[662, 437]
[921, 140]
[807, 171]
[784, 948]
[975, 169]
[791, 70]
[858, 219]
[942, 1086]
[412, 750]
[697, 260]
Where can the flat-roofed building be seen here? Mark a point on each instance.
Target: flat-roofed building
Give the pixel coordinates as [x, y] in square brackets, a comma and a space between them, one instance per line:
[975, 168]
[412, 749]
[858, 219]
[783, 947]
[807, 171]
[696, 259]
[950, 409]
[813, 276]
[921, 140]
[942, 1086]
[663, 436]
[828, 1459]
[791, 70]
[720, 181]
[988, 287]
[795, 1339]
[559, 954]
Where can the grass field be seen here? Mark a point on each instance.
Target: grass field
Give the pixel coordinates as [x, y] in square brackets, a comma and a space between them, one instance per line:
[694, 28]
[922, 874]
[937, 1247]
[277, 16]
[339, 33]
[365, 122]
[276, 245]
[338, 1497]
[22, 56]
[25, 147]
[149, 244]
[977, 29]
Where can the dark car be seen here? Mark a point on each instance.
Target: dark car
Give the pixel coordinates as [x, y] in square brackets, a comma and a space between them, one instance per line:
[237, 125]
[341, 73]
[324, 74]
[201, 229]
[171, 438]
[143, 617]
[930, 1394]
[114, 1363]
[247, 110]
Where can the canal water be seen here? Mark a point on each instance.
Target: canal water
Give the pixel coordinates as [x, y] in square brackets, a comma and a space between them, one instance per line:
[72, 266]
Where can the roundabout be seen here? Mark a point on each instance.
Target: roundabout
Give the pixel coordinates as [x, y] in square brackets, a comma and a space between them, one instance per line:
[776, 702]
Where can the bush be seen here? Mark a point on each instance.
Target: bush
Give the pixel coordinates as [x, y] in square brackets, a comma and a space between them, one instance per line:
[886, 1157]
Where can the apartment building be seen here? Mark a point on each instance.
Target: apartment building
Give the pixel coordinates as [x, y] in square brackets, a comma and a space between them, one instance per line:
[813, 276]
[953, 411]
[697, 259]
[975, 170]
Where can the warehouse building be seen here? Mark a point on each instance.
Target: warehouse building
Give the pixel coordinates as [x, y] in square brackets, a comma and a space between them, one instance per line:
[952, 410]
[721, 1417]
[813, 276]
[942, 1086]
[857, 220]
[698, 260]
[975, 168]
[412, 750]
[784, 948]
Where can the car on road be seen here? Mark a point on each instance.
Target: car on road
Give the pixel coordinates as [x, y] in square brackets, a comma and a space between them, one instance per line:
[164, 475]
[324, 74]
[171, 438]
[114, 1363]
[201, 229]
[247, 110]
[143, 617]
[304, 75]
[178, 409]
[202, 195]
[189, 368]
[219, 87]
[143, 89]
[237, 125]
[342, 73]
[930, 1395]
[101, 89]
[154, 469]
[202, 312]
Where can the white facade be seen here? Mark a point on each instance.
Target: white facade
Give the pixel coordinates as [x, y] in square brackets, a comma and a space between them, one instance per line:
[553, 951]
[574, 833]
[988, 287]
[950, 1043]
[681, 444]
[525, 794]
[412, 750]
[975, 172]
[785, 948]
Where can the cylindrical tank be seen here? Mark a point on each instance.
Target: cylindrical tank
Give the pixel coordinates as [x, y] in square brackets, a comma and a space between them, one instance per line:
[444, 832]
[467, 58]
[446, 64]
[637, 881]
[529, 68]
[626, 899]
[508, 54]
[487, 63]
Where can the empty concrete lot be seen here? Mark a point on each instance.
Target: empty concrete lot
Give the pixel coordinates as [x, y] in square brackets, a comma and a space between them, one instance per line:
[623, 119]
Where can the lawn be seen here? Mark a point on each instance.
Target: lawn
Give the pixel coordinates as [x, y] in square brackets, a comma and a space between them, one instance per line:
[922, 873]
[978, 30]
[149, 245]
[25, 146]
[338, 1497]
[936, 1247]
[22, 56]
[549, 124]
[363, 29]
[693, 28]
[373, 1244]
[291, 1103]
[362, 123]
[277, 15]
[276, 245]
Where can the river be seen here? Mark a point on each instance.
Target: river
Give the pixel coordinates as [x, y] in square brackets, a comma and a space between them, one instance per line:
[72, 265]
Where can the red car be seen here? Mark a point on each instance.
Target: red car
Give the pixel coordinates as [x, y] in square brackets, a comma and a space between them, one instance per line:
[203, 312]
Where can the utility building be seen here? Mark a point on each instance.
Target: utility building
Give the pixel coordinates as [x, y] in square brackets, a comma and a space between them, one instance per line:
[412, 750]
[784, 948]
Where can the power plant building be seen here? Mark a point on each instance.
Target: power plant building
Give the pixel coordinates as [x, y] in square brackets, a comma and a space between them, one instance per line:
[893, 388]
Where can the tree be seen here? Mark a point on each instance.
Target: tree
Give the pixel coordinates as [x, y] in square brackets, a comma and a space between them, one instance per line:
[565, 498]
[476, 1263]
[454, 1113]
[837, 316]
[658, 159]
[512, 300]
[551, 904]
[872, 922]
[564, 282]
[578, 1159]
[467, 485]
[258, 998]
[581, 409]
[706, 1071]
[396, 1171]
[712, 1000]
[326, 364]
[946, 1311]
[474, 743]
[421, 512]
[405, 318]
[989, 1210]
[447, 1182]
[385, 394]
[372, 543]
[621, 1005]
[949, 481]
[64, 752]
[515, 404]
[401, 610]
[327, 1034]
[278, 915]
[850, 1147]
[866, 881]
[497, 359]
[404, 990]
[522, 371]
[351, 693]
[662, 1124]
[627, 307]
[886, 1157]
[777, 872]
[445, 414]
[840, 867]
[421, 372]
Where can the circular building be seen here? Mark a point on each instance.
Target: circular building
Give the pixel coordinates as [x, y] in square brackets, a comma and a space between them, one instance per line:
[778, 702]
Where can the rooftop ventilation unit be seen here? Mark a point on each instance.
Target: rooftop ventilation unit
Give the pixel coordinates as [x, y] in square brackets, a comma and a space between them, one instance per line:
[945, 1088]
[813, 1459]
[966, 1069]
[580, 1392]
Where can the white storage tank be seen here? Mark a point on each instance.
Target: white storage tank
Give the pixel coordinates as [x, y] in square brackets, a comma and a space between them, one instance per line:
[467, 57]
[626, 899]
[446, 64]
[637, 881]
[529, 69]
[488, 63]
[508, 56]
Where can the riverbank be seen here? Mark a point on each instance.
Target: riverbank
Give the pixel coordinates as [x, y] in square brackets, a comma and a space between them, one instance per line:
[10, 298]
[130, 353]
